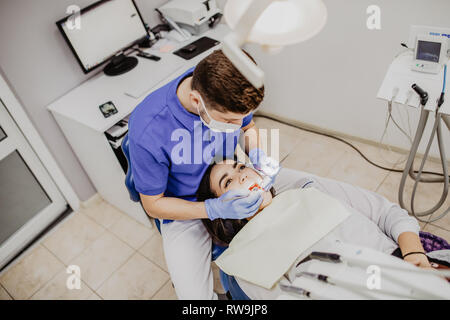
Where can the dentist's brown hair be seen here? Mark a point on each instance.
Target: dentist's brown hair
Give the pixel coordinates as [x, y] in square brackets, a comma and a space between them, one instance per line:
[223, 86]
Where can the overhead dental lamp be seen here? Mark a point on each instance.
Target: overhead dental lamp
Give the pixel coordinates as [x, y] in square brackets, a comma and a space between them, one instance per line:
[273, 24]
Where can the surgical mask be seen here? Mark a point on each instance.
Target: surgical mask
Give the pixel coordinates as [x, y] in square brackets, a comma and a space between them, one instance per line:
[214, 125]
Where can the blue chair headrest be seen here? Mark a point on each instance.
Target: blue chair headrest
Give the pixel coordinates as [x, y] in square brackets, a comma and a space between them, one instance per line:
[129, 181]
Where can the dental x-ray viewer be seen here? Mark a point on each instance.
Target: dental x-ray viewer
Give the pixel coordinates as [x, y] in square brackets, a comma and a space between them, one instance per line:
[174, 135]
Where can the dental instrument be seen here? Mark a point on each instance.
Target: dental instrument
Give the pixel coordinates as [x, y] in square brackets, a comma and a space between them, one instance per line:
[436, 131]
[337, 258]
[418, 282]
[266, 182]
[272, 24]
[362, 289]
[253, 188]
[300, 291]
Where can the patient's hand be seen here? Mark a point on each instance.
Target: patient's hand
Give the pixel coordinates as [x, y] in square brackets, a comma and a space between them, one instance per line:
[419, 260]
[410, 242]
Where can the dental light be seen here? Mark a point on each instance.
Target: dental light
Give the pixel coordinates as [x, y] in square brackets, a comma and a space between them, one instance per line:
[272, 24]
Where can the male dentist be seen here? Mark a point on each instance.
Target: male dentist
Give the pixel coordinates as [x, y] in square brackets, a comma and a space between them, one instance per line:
[174, 135]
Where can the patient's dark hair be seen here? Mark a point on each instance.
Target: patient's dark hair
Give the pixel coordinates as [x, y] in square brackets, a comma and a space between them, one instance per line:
[222, 231]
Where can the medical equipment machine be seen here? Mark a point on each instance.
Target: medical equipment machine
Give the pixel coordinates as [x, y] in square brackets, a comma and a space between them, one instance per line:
[416, 31]
[430, 54]
[272, 24]
[424, 90]
[105, 30]
[196, 16]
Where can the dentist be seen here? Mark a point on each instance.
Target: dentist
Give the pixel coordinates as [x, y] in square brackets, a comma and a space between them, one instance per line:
[174, 134]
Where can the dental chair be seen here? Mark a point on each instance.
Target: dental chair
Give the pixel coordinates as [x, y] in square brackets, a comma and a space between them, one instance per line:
[429, 241]
[229, 283]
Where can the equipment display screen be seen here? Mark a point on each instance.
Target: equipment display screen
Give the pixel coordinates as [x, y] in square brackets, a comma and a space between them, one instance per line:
[105, 28]
[428, 51]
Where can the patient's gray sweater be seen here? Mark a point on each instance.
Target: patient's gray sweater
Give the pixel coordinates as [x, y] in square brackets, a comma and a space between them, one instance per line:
[375, 222]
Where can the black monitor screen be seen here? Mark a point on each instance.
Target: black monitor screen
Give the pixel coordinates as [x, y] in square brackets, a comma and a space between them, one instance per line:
[428, 51]
[106, 27]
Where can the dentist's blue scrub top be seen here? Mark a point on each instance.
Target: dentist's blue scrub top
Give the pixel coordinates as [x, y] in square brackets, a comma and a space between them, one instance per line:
[170, 148]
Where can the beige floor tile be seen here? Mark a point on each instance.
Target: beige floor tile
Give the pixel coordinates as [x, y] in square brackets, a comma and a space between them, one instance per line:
[264, 123]
[138, 278]
[153, 250]
[438, 232]
[443, 222]
[379, 155]
[72, 236]
[103, 213]
[131, 231]
[289, 137]
[315, 155]
[422, 225]
[56, 289]
[4, 295]
[30, 273]
[167, 292]
[104, 256]
[94, 296]
[430, 165]
[96, 199]
[353, 169]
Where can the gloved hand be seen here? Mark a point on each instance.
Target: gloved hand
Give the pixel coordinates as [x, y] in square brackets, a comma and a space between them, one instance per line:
[268, 166]
[234, 204]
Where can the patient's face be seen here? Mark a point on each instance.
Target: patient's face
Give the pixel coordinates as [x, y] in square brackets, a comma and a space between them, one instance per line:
[231, 175]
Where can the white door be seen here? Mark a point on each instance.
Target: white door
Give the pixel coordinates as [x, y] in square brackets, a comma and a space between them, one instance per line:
[29, 199]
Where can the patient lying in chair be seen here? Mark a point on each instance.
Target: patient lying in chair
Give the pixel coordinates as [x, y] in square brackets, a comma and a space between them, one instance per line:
[374, 221]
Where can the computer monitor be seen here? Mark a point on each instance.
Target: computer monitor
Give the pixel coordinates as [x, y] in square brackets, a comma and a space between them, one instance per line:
[106, 28]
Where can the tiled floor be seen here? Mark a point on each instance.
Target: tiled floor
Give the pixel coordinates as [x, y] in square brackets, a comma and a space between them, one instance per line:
[122, 259]
[119, 258]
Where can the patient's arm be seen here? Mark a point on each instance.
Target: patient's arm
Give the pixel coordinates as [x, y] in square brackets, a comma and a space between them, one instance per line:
[410, 242]
[390, 217]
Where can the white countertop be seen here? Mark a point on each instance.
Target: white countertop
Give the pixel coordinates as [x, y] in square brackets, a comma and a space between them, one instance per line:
[82, 103]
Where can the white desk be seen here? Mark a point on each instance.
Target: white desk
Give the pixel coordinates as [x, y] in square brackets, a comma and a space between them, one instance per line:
[82, 123]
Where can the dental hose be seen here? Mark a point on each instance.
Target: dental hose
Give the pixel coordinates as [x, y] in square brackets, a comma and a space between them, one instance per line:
[437, 130]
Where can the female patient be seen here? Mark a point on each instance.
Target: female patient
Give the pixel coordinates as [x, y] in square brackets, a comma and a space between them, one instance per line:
[374, 222]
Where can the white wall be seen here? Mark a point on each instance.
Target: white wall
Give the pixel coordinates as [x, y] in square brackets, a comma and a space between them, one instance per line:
[39, 66]
[331, 81]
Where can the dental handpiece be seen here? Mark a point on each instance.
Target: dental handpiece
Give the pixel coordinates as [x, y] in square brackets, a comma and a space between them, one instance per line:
[266, 182]
[296, 290]
[336, 282]
[301, 292]
[269, 174]
[422, 94]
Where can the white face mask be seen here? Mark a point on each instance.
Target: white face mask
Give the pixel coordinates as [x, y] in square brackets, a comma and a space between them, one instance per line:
[214, 125]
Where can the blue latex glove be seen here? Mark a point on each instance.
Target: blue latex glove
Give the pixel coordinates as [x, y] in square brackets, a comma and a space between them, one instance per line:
[234, 204]
[268, 166]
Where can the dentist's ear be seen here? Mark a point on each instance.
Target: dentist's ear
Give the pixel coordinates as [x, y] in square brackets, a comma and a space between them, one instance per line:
[194, 98]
